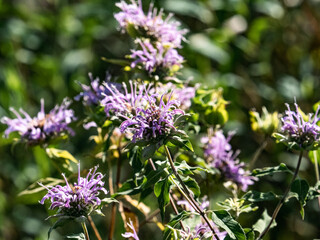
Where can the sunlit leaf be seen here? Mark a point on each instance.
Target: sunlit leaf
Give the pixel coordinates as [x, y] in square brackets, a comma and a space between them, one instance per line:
[224, 220]
[263, 222]
[260, 172]
[162, 191]
[174, 222]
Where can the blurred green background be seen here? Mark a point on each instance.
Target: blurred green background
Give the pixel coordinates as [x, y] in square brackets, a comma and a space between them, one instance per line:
[262, 52]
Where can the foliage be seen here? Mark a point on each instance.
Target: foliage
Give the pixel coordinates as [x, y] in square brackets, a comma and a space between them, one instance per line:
[238, 56]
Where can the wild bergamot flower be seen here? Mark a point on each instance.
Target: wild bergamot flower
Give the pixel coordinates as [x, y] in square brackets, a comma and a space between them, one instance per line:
[299, 131]
[44, 126]
[79, 199]
[219, 154]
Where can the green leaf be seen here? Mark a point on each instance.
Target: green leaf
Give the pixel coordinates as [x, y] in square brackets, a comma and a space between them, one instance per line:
[42, 160]
[301, 188]
[315, 156]
[224, 220]
[135, 159]
[313, 192]
[204, 45]
[192, 185]
[255, 196]
[135, 186]
[263, 222]
[249, 233]
[60, 222]
[130, 187]
[61, 158]
[120, 62]
[108, 200]
[181, 120]
[189, 170]
[174, 222]
[58, 153]
[179, 142]
[149, 151]
[260, 172]
[34, 192]
[162, 190]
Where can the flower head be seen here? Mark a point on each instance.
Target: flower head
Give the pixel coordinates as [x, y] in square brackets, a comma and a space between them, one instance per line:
[150, 25]
[200, 231]
[219, 154]
[300, 131]
[121, 102]
[42, 127]
[155, 120]
[79, 199]
[95, 92]
[184, 94]
[157, 60]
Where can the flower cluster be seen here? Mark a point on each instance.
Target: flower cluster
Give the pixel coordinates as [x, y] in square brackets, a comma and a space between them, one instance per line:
[150, 25]
[121, 102]
[146, 116]
[160, 60]
[156, 38]
[201, 230]
[218, 152]
[44, 126]
[184, 94]
[92, 94]
[154, 121]
[77, 200]
[301, 131]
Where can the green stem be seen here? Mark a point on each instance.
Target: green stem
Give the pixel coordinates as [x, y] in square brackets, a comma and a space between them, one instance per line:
[275, 213]
[187, 194]
[85, 230]
[170, 195]
[258, 152]
[114, 207]
[316, 167]
[95, 230]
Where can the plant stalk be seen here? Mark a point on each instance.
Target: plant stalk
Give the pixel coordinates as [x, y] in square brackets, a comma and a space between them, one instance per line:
[258, 152]
[275, 213]
[85, 230]
[114, 207]
[188, 195]
[316, 167]
[96, 232]
[171, 198]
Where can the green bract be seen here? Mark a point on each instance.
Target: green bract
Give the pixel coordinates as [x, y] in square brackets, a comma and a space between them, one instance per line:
[211, 106]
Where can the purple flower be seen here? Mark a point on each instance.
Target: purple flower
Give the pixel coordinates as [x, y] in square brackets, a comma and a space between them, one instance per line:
[42, 127]
[219, 154]
[156, 59]
[77, 200]
[95, 92]
[132, 234]
[217, 147]
[153, 120]
[183, 94]
[121, 102]
[150, 25]
[204, 204]
[201, 231]
[299, 129]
